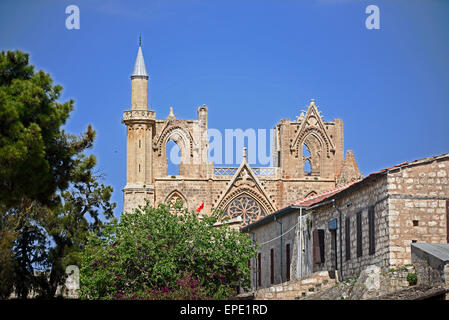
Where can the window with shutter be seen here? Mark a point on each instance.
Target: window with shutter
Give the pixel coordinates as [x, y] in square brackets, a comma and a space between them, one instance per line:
[272, 266]
[371, 229]
[359, 235]
[348, 238]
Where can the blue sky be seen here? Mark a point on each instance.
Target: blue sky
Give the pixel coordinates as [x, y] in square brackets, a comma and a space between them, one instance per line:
[252, 63]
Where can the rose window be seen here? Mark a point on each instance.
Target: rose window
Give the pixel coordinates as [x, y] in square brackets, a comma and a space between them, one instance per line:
[245, 207]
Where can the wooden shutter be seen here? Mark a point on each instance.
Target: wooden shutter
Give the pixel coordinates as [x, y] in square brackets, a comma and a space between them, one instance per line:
[318, 246]
[371, 229]
[348, 238]
[359, 235]
[321, 242]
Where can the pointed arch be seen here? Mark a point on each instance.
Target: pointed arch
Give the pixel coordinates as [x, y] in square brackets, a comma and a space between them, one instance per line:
[310, 194]
[175, 197]
[244, 180]
[312, 123]
[312, 160]
[181, 137]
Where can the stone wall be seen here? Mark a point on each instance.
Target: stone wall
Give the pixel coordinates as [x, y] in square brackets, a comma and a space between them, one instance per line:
[418, 207]
[358, 200]
[371, 283]
[296, 289]
[432, 263]
[410, 205]
[266, 233]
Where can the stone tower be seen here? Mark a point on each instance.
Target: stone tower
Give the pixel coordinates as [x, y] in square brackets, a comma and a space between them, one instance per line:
[140, 122]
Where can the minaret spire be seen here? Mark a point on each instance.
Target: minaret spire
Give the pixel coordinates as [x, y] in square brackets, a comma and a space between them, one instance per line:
[139, 66]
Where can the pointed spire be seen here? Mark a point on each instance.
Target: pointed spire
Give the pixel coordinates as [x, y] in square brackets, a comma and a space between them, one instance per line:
[171, 115]
[139, 66]
[244, 154]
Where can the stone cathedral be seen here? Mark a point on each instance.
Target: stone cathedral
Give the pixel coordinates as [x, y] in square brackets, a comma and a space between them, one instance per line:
[308, 156]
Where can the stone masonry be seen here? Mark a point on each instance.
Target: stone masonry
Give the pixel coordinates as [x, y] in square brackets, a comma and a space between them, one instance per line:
[246, 191]
[372, 221]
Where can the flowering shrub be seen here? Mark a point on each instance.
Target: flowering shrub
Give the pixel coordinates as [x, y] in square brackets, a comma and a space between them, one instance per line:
[154, 254]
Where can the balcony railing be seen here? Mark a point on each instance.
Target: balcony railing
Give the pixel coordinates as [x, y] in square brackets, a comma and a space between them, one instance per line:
[138, 115]
[230, 171]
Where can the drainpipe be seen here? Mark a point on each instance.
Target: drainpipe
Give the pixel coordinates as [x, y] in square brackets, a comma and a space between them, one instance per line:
[341, 243]
[280, 223]
[254, 281]
[300, 242]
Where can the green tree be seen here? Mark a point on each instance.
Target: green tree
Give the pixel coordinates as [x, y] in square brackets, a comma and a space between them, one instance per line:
[7, 261]
[44, 240]
[150, 252]
[50, 197]
[81, 212]
[36, 155]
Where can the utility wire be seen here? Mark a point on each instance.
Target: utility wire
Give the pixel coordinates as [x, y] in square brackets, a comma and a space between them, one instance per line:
[263, 243]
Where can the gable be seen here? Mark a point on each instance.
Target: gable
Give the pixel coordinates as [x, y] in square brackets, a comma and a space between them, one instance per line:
[312, 124]
[245, 191]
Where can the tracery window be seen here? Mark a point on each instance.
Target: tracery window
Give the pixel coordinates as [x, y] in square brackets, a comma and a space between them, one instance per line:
[311, 155]
[174, 201]
[307, 160]
[246, 207]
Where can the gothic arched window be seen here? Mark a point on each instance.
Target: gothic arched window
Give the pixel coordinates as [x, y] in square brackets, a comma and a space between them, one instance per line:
[175, 199]
[173, 154]
[246, 207]
[311, 155]
[307, 160]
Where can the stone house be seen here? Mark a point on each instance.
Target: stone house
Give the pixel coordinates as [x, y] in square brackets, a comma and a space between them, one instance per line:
[308, 158]
[372, 221]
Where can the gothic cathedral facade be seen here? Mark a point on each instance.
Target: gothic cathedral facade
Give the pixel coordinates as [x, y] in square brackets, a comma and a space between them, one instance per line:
[245, 192]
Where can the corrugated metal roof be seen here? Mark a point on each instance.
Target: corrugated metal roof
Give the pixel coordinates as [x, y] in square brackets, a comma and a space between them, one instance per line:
[139, 66]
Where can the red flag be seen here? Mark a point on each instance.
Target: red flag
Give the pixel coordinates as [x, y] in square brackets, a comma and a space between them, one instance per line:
[200, 207]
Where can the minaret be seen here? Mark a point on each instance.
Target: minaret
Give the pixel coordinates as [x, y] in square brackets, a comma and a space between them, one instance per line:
[139, 83]
[140, 123]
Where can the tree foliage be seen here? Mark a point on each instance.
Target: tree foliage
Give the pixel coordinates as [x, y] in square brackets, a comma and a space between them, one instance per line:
[36, 154]
[50, 195]
[152, 253]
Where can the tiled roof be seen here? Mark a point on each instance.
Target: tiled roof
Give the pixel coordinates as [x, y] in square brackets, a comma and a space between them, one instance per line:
[309, 201]
[321, 197]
